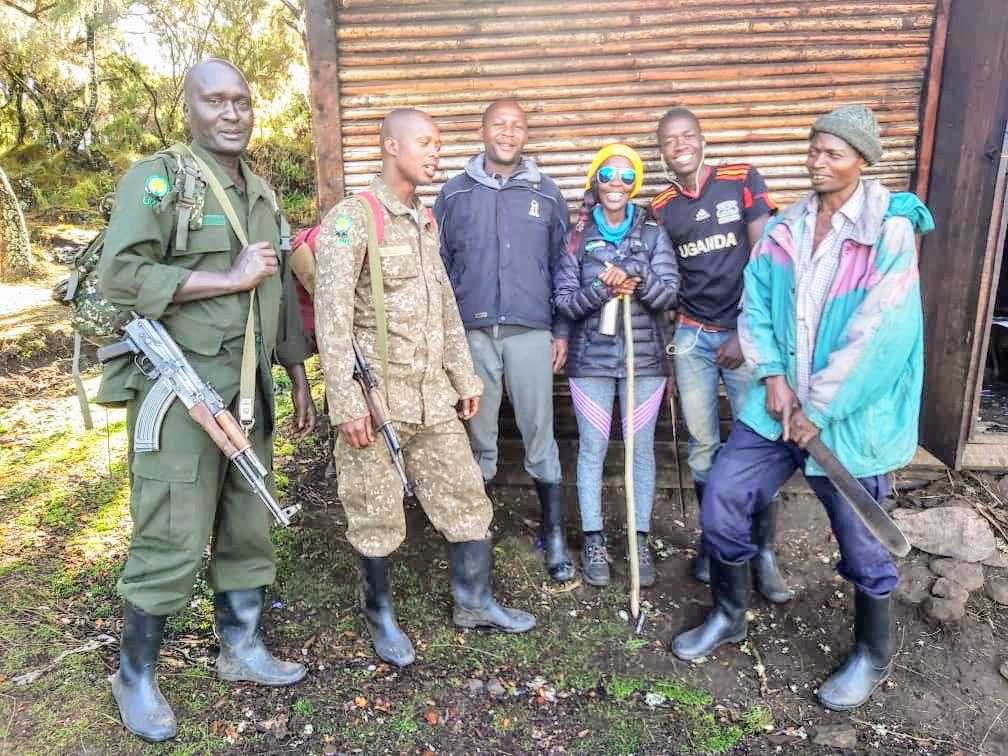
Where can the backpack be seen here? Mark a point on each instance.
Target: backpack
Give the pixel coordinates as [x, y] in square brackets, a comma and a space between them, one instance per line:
[302, 259]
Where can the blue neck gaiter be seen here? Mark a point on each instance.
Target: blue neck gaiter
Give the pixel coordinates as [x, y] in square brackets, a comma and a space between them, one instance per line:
[613, 235]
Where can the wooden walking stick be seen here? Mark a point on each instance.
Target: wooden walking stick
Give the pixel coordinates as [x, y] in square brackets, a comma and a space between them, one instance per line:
[628, 454]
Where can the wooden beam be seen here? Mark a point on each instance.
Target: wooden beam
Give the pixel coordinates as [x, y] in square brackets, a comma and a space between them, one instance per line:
[324, 90]
[956, 261]
[932, 90]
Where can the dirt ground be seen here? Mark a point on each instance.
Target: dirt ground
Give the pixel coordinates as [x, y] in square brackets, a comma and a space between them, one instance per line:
[582, 682]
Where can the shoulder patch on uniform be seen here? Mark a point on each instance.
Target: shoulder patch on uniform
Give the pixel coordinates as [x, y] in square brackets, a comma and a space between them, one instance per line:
[157, 185]
[342, 223]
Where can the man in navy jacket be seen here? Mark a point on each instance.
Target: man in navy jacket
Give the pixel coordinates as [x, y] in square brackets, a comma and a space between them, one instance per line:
[502, 227]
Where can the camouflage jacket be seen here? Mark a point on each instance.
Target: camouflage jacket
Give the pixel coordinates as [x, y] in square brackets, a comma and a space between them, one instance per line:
[428, 357]
[140, 270]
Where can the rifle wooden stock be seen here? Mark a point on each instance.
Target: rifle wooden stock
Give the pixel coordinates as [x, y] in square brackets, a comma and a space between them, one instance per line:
[233, 430]
[376, 406]
[202, 415]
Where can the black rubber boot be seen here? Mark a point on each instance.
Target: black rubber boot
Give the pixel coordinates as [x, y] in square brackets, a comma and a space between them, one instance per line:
[471, 564]
[700, 565]
[869, 662]
[144, 711]
[766, 575]
[551, 532]
[243, 656]
[731, 585]
[595, 560]
[390, 642]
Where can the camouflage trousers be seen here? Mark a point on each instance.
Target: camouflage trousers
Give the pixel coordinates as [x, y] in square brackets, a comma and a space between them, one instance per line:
[448, 485]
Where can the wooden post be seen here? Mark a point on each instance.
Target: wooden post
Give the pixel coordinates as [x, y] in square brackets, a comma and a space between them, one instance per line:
[324, 89]
[958, 262]
[929, 111]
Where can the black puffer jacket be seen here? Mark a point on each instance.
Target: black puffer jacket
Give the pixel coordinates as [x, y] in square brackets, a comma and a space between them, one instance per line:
[645, 252]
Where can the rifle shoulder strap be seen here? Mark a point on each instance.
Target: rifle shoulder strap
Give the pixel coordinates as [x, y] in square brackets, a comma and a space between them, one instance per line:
[246, 393]
[376, 232]
[282, 224]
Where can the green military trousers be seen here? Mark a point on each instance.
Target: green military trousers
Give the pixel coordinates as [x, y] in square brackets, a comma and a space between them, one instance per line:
[184, 496]
[448, 485]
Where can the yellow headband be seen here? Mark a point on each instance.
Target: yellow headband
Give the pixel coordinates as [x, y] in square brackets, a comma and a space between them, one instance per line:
[623, 151]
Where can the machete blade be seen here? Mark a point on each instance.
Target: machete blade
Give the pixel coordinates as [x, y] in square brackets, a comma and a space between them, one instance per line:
[862, 502]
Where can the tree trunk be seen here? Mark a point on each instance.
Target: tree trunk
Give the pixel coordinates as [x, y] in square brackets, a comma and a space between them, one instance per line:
[81, 134]
[22, 120]
[16, 259]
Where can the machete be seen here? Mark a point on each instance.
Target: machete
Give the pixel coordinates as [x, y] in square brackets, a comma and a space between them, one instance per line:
[862, 502]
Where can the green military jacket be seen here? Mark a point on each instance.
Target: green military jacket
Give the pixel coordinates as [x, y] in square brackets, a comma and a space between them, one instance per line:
[429, 363]
[140, 270]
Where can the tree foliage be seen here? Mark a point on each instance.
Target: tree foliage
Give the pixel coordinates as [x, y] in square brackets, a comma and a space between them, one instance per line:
[80, 74]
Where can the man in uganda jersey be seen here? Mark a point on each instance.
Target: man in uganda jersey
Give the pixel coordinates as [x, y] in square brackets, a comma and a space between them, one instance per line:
[714, 215]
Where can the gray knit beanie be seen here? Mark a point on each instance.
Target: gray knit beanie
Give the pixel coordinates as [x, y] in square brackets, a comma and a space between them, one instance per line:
[856, 125]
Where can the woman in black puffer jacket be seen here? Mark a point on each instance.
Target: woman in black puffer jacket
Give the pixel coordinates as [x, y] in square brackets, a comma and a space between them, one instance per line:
[615, 249]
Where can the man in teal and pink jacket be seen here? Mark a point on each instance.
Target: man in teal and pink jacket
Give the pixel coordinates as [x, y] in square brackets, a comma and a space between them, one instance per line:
[832, 327]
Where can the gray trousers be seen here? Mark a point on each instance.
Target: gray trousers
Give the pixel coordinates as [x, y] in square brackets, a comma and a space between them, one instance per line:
[522, 360]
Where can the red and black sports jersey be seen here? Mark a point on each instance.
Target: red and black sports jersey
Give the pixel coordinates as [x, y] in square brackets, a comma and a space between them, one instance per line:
[709, 233]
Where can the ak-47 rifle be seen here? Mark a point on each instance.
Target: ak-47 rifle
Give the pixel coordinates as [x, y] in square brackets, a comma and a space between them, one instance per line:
[160, 359]
[379, 415]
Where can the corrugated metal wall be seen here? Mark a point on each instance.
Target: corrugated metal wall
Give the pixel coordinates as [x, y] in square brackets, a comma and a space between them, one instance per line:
[757, 72]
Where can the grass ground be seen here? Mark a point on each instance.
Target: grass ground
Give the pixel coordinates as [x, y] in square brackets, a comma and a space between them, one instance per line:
[583, 682]
[64, 530]
[64, 494]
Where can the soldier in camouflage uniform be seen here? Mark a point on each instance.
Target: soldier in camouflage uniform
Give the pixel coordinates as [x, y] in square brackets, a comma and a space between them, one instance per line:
[430, 374]
[186, 494]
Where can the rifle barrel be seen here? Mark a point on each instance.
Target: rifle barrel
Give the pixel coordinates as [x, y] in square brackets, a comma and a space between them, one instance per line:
[282, 516]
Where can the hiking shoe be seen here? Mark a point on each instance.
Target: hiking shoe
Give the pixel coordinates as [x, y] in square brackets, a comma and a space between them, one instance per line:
[645, 561]
[595, 560]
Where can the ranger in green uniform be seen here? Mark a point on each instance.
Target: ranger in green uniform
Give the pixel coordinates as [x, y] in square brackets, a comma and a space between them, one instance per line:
[185, 267]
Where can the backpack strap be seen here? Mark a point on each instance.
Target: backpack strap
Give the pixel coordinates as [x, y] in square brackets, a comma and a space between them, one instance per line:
[376, 211]
[187, 176]
[375, 217]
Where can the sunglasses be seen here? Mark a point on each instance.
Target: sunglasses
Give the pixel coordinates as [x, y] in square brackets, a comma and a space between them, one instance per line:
[607, 173]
